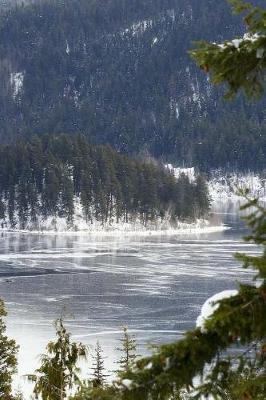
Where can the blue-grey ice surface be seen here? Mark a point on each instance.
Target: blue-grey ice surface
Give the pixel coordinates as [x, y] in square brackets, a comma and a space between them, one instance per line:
[154, 285]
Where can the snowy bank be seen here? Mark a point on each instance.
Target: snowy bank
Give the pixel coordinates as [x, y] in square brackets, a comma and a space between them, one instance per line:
[223, 187]
[211, 305]
[125, 229]
[135, 226]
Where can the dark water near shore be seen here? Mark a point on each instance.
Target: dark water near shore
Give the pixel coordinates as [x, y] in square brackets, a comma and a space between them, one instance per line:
[154, 285]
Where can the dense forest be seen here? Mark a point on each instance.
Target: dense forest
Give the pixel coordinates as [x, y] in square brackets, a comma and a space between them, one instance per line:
[61, 176]
[119, 72]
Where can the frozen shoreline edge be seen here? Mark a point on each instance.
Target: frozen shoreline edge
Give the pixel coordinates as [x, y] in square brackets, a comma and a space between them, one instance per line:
[117, 233]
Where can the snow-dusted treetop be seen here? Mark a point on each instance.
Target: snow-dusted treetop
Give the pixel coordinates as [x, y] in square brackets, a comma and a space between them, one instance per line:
[241, 62]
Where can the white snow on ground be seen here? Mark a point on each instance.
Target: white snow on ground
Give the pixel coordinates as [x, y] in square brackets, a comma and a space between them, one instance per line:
[16, 81]
[141, 27]
[129, 230]
[190, 172]
[161, 226]
[224, 187]
[211, 305]
[54, 225]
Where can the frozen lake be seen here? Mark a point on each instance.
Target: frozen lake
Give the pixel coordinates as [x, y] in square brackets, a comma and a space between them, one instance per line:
[154, 285]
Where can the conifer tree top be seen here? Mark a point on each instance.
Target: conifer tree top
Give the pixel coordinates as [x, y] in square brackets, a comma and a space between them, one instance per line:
[238, 63]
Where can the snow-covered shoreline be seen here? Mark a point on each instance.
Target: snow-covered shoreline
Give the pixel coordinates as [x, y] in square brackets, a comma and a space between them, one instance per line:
[183, 229]
[222, 190]
[55, 225]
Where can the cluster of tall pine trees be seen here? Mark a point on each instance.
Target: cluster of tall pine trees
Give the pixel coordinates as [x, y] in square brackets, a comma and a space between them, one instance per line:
[49, 176]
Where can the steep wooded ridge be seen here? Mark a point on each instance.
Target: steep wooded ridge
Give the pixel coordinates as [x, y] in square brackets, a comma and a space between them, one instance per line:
[118, 71]
[63, 178]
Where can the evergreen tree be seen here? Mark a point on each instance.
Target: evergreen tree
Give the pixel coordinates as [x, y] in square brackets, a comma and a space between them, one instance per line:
[67, 194]
[118, 86]
[239, 63]
[22, 201]
[2, 210]
[8, 360]
[33, 202]
[99, 375]
[111, 187]
[50, 194]
[202, 202]
[128, 350]
[86, 192]
[58, 373]
[11, 205]
[87, 392]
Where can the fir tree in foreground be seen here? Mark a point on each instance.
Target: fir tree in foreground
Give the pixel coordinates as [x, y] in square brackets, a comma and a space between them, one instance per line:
[58, 373]
[96, 388]
[239, 64]
[128, 352]
[8, 360]
[99, 375]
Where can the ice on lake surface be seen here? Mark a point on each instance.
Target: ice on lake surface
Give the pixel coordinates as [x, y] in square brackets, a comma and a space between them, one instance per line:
[154, 285]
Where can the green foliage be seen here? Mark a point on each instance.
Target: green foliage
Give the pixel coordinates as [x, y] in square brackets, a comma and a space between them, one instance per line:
[91, 393]
[58, 372]
[241, 377]
[8, 360]
[240, 63]
[99, 376]
[128, 349]
[46, 177]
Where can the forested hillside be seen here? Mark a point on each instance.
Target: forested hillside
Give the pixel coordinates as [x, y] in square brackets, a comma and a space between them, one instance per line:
[118, 71]
[64, 177]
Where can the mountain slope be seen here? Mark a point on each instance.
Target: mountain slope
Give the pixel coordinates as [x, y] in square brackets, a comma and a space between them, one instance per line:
[118, 71]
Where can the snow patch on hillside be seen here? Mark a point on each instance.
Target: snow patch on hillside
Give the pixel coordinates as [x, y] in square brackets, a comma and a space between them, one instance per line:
[224, 187]
[189, 172]
[16, 82]
[138, 28]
